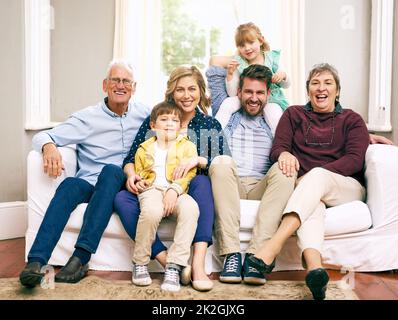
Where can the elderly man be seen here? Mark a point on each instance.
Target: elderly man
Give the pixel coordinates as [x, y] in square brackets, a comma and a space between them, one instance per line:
[103, 135]
[248, 175]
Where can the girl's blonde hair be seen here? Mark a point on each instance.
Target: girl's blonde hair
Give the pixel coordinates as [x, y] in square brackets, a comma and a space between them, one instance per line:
[184, 71]
[249, 32]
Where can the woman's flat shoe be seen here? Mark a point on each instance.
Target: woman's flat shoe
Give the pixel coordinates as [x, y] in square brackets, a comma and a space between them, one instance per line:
[202, 285]
[260, 265]
[185, 276]
[317, 281]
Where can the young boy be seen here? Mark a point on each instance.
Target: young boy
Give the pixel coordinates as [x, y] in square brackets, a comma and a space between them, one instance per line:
[160, 196]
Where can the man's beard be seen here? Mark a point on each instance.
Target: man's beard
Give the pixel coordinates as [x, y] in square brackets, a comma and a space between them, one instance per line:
[259, 105]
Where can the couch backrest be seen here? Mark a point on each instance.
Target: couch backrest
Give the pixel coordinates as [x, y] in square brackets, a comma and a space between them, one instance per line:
[381, 175]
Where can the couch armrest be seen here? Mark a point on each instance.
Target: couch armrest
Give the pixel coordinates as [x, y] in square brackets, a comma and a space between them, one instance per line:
[40, 186]
[381, 176]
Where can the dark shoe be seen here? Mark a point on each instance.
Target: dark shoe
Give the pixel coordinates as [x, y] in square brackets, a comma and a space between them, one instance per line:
[72, 272]
[317, 281]
[260, 265]
[250, 274]
[232, 271]
[31, 276]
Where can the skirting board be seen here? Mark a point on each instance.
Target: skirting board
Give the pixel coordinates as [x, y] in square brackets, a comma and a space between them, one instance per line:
[13, 219]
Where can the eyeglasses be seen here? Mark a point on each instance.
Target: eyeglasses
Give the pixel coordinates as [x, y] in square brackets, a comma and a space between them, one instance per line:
[313, 139]
[126, 82]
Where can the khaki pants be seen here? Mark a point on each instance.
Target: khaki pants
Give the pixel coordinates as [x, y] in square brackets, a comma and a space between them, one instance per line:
[186, 212]
[315, 190]
[274, 190]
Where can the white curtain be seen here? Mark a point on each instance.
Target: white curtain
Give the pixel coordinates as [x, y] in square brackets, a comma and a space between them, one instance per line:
[138, 39]
[292, 36]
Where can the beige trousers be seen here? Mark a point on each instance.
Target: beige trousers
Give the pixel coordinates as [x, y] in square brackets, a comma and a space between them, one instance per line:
[186, 212]
[274, 190]
[315, 190]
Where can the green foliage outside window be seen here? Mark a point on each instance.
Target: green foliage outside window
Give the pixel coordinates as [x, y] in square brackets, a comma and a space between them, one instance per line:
[183, 40]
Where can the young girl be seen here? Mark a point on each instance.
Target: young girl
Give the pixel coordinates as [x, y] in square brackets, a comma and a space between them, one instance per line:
[252, 49]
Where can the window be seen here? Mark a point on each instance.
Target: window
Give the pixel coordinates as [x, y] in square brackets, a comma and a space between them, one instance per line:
[38, 17]
[380, 80]
[168, 33]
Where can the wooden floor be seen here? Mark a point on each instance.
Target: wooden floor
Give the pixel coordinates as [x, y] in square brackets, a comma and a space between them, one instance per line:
[368, 286]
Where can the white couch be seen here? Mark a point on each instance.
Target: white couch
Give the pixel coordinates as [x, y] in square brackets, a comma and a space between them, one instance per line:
[359, 236]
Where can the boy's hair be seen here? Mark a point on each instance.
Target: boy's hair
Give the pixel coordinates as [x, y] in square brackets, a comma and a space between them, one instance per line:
[188, 71]
[256, 72]
[249, 32]
[165, 107]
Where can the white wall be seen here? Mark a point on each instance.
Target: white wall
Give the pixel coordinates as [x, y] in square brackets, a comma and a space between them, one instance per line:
[338, 32]
[12, 168]
[82, 46]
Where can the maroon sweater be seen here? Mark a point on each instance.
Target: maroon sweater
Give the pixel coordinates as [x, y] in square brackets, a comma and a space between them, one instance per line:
[335, 141]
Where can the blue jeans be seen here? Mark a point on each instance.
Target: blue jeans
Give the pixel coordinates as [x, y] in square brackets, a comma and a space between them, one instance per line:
[70, 193]
[127, 206]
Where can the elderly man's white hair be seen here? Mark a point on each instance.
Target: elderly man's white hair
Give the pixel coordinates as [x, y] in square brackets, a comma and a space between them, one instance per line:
[119, 62]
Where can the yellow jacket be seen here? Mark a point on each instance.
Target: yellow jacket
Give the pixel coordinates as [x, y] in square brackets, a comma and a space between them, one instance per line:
[181, 149]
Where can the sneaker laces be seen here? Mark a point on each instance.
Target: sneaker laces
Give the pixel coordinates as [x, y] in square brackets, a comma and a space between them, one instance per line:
[253, 270]
[172, 275]
[232, 263]
[141, 269]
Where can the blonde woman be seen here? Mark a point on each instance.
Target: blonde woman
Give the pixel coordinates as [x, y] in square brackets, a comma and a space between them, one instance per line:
[186, 88]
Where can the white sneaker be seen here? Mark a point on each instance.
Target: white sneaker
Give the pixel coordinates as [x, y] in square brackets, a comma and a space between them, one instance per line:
[171, 280]
[141, 275]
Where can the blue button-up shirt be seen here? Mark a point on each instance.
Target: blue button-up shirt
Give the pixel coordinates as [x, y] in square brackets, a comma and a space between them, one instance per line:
[100, 135]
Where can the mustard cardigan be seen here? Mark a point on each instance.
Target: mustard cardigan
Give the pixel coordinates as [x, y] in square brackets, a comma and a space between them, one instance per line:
[181, 149]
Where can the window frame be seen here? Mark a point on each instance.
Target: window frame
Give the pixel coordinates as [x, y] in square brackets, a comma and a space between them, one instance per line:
[380, 77]
[38, 22]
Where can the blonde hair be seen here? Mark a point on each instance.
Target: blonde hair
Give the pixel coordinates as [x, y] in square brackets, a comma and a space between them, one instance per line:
[184, 71]
[249, 32]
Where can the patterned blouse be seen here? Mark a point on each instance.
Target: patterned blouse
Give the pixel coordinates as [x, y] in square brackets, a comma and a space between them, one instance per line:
[204, 131]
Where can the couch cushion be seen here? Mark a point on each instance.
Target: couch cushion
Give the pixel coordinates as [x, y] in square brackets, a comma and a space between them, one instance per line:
[347, 218]
[113, 230]
[350, 217]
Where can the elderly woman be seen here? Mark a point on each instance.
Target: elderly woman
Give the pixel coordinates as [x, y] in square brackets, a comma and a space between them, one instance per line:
[326, 144]
[186, 88]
